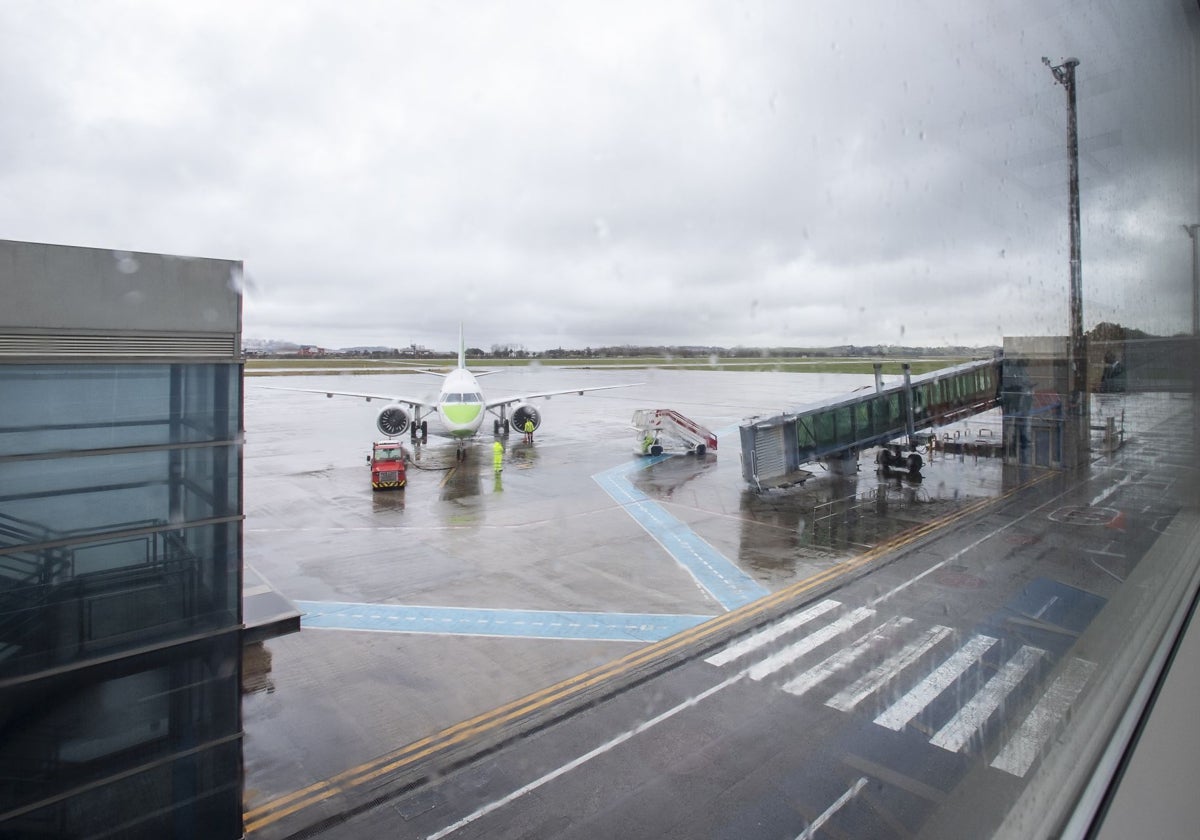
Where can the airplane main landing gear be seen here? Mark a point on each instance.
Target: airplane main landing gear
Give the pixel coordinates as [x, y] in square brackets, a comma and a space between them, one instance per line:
[891, 459]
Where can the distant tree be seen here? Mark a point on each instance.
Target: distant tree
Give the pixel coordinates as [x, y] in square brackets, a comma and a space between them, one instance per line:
[1106, 331]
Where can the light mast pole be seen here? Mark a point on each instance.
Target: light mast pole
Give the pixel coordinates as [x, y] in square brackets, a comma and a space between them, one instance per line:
[1064, 74]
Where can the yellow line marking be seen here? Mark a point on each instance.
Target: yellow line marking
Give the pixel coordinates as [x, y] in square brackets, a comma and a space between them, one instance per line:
[288, 804]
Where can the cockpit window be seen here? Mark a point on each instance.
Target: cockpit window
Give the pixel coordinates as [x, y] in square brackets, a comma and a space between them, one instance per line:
[462, 398]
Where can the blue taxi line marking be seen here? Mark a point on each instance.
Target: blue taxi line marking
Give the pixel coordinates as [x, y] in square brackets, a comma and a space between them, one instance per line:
[469, 621]
[715, 573]
[712, 571]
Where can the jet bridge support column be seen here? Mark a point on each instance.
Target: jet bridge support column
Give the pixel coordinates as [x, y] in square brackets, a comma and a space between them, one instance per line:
[843, 463]
[1034, 396]
[909, 422]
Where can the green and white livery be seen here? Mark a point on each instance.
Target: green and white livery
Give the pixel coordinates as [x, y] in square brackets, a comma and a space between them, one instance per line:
[461, 407]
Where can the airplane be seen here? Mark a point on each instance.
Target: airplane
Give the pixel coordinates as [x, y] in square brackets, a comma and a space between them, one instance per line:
[460, 406]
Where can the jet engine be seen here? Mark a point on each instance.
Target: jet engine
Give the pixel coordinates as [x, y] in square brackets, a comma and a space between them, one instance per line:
[392, 420]
[522, 413]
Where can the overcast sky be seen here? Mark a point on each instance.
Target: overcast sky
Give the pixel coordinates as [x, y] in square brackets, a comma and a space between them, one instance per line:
[582, 174]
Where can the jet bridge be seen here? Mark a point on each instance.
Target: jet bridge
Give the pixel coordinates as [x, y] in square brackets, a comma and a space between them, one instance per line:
[775, 449]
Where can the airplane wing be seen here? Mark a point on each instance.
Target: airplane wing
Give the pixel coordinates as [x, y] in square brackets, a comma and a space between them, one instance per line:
[411, 401]
[414, 367]
[503, 401]
[410, 367]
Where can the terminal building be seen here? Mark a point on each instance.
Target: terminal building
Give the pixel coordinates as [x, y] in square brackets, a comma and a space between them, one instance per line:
[120, 544]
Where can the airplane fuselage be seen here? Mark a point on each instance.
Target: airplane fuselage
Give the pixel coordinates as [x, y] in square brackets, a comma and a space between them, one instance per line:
[460, 404]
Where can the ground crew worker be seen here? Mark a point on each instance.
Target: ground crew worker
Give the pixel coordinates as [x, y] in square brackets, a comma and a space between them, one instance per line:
[498, 456]
[529, 431]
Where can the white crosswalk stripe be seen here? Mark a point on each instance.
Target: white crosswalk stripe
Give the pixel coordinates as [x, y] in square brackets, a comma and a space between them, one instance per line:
[968, 722]
[792, 652]
[886, 671]
[843, 659]
[765, 637]
[927, 690]
[971, 717]
[1022, 749]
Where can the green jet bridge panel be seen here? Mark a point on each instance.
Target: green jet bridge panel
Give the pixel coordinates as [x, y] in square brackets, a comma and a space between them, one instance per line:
[774, 449]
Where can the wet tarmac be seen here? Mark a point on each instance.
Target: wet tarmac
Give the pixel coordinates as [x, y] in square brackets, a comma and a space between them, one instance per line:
[470, 589]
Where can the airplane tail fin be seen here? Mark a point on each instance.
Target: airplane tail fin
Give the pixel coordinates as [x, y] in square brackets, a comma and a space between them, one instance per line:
[462, 348]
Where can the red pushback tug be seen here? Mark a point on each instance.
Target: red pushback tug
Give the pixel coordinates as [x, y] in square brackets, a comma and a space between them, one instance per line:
[387, 465]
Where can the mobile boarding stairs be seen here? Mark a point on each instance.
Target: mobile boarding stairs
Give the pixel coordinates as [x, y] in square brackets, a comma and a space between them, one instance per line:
[666, 430]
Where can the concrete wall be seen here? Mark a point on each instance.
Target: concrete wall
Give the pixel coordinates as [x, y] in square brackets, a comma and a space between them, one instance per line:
[1034, 396]
[1043, 359]
[92, 301]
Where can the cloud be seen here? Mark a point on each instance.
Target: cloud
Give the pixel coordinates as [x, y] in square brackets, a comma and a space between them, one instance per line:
[554, 174]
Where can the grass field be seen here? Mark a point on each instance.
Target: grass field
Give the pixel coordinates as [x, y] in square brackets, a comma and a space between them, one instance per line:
[891, 367]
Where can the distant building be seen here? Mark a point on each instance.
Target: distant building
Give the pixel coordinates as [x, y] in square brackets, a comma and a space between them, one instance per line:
[120, 544]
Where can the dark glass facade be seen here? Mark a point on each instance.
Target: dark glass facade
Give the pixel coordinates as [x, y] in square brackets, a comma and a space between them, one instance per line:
[120, 599]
